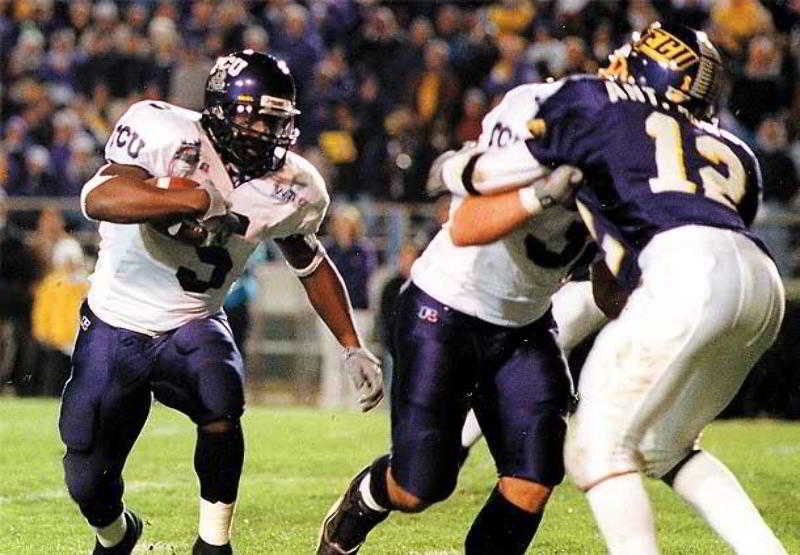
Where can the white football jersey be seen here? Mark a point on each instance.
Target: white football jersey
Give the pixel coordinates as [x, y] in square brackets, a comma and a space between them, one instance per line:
[508, 282]
[150, 283]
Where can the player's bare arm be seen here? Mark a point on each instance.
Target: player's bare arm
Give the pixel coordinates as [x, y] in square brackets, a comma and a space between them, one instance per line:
[328, 296]
[323, 286]
[482, 219]
[125, 197]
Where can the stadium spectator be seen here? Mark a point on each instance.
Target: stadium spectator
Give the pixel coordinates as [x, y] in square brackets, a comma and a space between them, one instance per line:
[762, 77]
[189, 76]
[66, 125]
[301, 47]
[468, 127]
[56, 301]
[137, 15]
[82, 163]
[379, 49]
[735, 22]
[337, 143]
[693, 13]
[351, 252]
[780, 182]
[640, 14]
[578, 58]
[547, 54]
[435, 87]
[200, 20]
[19, 271]
[39, 179]
[511, 69]
[511, 16]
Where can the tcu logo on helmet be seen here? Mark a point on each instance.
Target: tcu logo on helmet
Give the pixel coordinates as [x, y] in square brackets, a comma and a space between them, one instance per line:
[428, 314]
[232, 64]
[224, 66]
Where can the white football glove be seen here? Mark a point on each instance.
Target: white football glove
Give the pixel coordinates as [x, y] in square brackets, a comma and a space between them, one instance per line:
[435, 184]
[217, 205]
[557, 187]
[364, 369]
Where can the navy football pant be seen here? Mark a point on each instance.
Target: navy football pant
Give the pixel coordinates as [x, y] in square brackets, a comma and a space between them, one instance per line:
[516, 379]
[195, 369]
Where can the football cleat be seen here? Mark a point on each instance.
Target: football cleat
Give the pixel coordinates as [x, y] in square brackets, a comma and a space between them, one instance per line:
[202, 548]
[132, 534]
[348, 522]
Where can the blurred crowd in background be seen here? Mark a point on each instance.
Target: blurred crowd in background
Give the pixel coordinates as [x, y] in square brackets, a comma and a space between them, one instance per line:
[384, 87]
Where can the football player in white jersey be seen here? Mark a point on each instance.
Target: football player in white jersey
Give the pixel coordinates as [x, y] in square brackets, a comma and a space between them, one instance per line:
[669, 198]
[474, 329]
[153, 325]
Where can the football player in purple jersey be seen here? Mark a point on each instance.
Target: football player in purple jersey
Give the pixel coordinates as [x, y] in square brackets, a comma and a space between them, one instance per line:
[668, 198]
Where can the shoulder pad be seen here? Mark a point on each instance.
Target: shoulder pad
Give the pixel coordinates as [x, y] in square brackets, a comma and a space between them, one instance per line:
[579, 96]
[149, 133]
[303, 172]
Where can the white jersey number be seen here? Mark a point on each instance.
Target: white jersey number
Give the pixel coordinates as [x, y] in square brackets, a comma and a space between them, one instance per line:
[672, 170]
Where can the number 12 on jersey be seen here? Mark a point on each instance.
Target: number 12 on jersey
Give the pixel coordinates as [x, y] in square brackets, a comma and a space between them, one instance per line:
[671, 166]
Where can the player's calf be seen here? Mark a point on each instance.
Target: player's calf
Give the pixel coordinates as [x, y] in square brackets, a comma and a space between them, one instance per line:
[502, 527]
[363, 506]
[219, 455]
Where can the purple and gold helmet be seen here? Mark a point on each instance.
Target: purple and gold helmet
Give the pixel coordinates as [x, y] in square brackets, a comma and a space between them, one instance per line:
[676, 61]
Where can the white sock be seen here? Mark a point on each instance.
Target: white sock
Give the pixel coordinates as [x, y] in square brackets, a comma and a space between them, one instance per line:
[623, 514]
[111, 535]
[215, 522]
[366, 495]
[708, 486]
[471, 432]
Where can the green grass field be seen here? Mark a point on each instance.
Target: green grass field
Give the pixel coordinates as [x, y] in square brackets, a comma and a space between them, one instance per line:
[299, 460]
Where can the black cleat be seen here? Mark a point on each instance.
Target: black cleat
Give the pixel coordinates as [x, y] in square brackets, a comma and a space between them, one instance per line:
[348, 522]
[202, 548]
[132, 534]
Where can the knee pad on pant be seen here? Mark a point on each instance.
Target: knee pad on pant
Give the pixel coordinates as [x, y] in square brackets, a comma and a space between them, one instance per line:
[218, 460]
[426, 468]
[96, 490]
[589, 462]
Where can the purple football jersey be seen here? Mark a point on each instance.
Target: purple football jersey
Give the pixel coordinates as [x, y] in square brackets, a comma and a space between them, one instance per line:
[650, 166]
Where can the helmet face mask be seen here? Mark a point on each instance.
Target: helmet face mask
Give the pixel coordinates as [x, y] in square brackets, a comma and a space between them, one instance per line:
[249, 111]
[679, 63]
